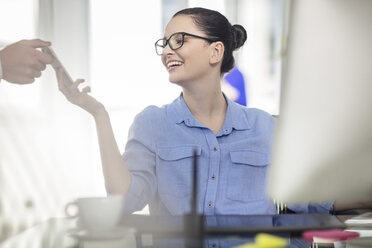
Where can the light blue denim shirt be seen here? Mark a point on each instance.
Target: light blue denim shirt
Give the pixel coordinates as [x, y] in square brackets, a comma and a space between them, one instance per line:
[232, 165]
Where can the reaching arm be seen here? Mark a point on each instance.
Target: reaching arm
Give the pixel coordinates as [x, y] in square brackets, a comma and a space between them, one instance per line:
[116, 174]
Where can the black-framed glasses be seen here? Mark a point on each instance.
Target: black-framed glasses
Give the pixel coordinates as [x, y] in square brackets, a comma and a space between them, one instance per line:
[175, 41]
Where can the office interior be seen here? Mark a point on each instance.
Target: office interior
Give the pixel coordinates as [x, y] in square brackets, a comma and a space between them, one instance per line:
[48, 148]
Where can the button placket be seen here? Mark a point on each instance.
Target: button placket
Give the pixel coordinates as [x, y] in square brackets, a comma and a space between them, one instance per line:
[214, 156]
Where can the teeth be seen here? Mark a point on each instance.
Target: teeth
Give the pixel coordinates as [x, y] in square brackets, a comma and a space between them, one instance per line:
[174, 63]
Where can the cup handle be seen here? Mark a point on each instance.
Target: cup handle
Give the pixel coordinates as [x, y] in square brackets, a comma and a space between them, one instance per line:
[68, 212]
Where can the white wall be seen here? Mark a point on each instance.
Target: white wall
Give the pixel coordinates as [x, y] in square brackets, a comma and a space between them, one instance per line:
[259, 62]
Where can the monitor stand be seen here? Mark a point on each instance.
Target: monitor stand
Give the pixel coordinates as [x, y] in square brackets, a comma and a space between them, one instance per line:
[193, 223]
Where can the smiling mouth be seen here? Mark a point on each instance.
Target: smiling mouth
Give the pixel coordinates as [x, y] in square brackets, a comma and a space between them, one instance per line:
[173, 64]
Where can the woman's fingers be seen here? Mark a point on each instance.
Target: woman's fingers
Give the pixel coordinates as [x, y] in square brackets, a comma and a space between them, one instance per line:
[76, 96]
[73, 88]
[76, 84]
[86, 89]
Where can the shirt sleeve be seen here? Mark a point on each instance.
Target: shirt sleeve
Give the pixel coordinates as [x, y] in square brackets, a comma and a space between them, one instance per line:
[325, 207]
[139, 156]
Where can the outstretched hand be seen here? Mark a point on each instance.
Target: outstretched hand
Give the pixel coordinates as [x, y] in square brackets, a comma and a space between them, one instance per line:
[22, 62]
[79, 97]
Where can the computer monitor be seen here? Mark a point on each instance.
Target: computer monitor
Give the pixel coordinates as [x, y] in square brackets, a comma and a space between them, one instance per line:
[323, 142]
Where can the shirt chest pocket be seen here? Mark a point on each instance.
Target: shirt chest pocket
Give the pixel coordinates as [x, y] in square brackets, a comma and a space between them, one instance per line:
[173, 169]
[247, 176]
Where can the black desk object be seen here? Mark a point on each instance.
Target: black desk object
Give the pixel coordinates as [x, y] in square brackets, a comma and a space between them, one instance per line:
[237, 225]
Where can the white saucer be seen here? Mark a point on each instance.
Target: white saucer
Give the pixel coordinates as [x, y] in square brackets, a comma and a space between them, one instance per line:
[83, 234]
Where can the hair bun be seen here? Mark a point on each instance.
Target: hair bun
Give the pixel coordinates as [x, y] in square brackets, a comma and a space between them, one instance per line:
[239, 34]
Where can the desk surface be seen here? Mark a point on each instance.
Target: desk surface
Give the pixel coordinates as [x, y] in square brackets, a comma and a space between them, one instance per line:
[54, 233]
[242, 225]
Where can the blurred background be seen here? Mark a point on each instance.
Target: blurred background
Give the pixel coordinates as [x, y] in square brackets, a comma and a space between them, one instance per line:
[48, 147]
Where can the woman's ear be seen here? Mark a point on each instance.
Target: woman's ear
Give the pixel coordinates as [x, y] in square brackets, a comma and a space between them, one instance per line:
[217, 52]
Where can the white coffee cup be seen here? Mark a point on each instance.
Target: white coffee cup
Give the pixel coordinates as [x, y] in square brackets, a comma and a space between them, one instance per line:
[97, 214]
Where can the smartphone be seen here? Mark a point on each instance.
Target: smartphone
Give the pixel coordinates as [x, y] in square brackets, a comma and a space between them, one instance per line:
[57, 64]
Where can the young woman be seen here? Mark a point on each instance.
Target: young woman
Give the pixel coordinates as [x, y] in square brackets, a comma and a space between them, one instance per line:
[232, 142]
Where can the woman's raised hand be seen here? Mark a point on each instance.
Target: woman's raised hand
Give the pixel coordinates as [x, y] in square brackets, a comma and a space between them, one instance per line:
[79, 97]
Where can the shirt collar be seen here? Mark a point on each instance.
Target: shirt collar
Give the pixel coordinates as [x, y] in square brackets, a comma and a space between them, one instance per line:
[236, 117]
[179, 112]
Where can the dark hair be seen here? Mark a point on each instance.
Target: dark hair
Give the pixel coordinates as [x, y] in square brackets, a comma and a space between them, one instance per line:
[216, 26]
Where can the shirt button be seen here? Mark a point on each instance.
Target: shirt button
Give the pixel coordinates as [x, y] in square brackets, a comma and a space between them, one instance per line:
[210, 204]
[213, 177]
[214, 148]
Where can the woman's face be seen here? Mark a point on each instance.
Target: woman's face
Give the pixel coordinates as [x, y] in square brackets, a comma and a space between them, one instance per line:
[191, 61]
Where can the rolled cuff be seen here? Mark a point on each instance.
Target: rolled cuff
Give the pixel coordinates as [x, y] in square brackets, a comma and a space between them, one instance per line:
[134, 199]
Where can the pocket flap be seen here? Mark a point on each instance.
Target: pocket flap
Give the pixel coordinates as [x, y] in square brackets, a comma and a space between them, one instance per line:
[178, 152]
[249, 158]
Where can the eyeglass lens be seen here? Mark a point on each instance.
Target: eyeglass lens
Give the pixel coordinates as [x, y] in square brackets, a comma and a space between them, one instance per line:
[175, 42]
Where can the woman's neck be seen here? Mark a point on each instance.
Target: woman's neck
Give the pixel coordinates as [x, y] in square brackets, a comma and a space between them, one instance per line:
[207, 104]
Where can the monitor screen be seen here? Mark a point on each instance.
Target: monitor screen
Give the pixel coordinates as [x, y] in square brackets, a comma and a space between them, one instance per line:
[323, 143]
